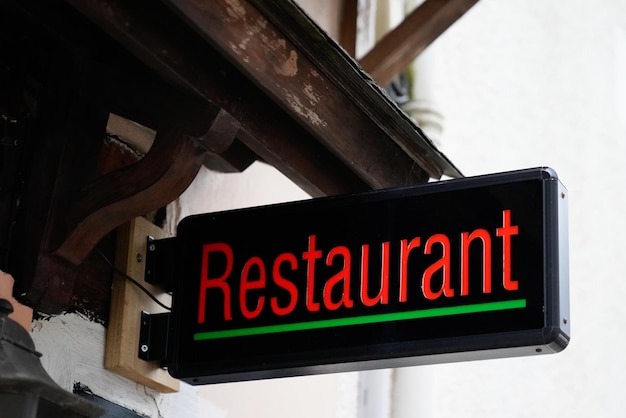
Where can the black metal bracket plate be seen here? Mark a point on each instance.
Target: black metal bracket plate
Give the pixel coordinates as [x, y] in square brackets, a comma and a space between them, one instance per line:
[153, 336]
[160, 262]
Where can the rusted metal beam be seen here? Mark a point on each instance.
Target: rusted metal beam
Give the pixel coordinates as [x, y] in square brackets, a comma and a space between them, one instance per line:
[394, 52]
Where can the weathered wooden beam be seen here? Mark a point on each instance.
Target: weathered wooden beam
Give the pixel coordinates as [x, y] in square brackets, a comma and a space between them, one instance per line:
[171, 49]
[349, 79]
[256, 45]
[394, 52]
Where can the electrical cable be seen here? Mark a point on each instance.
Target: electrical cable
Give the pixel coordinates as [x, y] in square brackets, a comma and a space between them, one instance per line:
[133, 281]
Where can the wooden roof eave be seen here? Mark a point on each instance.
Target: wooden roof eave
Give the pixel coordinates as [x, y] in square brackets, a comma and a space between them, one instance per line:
[324, 90]
[349, 76]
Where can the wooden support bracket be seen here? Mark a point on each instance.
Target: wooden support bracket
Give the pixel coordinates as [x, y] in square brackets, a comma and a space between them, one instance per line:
[107, 202]
[393, 54]
[154, 181]
[160, 177]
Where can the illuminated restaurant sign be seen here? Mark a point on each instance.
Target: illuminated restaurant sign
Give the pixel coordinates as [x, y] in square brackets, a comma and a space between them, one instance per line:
[457, 270]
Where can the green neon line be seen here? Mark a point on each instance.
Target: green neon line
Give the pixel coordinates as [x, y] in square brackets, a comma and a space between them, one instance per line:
[360, 320]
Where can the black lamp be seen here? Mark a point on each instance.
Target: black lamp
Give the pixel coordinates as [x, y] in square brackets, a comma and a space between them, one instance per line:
[26, 389]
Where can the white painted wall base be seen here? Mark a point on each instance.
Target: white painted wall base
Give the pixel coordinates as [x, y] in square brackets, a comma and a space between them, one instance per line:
[73, 351]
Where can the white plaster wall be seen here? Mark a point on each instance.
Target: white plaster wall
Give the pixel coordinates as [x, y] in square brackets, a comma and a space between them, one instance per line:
[326, 13]
[332, 396]
[523, 83]
[259, 184]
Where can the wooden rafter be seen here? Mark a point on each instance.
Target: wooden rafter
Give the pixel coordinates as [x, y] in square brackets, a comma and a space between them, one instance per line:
[394, 52]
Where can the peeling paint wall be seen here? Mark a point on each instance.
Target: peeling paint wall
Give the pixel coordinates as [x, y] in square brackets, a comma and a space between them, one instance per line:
[72, 348]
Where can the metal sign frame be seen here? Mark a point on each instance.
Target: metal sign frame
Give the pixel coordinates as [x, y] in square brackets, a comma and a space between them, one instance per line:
[465, 269]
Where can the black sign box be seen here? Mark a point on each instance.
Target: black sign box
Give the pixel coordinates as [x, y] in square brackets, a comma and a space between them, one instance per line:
[465, 269]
